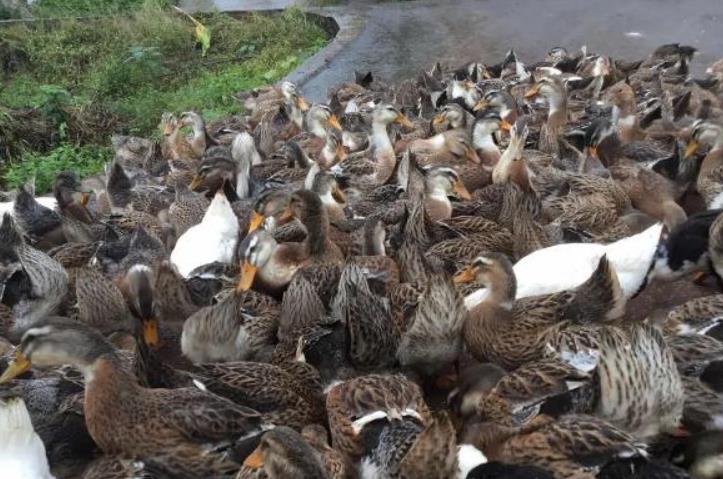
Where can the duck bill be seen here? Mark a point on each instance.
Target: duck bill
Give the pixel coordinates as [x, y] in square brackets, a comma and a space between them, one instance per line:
[505, 125]
[286, 215]
[472, 156]
[301, 103]
[532, 92]
[691, 149]
[340, 153]
[196, 183]
[17, 367]
[465, 276]
[150, 332]
[404, 121]
[248, 273]
[334, 122]
[481, 105]
[84, 199]
[438, 119]
[168, 128]
[256, 221]
[592, 151]
[255, 460]
[338, 195]
[461, 191]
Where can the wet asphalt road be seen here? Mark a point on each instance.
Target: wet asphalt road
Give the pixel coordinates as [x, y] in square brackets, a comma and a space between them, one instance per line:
[397, 39]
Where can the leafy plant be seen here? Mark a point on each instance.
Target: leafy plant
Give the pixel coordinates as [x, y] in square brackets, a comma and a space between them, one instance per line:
[85, 161]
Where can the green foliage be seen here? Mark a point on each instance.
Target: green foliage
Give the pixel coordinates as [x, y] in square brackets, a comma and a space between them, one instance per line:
[136, 66]
[84, 160]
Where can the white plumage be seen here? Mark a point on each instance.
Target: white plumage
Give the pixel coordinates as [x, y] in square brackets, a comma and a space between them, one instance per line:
[213, 239]
[22, 453]
[566, 266]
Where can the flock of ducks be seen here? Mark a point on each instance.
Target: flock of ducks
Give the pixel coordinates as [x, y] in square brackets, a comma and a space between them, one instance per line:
[427, 281]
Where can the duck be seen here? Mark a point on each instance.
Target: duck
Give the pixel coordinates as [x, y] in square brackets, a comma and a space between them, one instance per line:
[487, 332]
[708, 183]
[283, 452]
[216, 235]
[631, 258]
[23, 453]
[554, 91]
[32, 283]
[166, 418]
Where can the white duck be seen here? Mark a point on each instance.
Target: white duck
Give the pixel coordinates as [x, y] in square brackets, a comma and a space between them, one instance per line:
[566, 266]
[212, 240]
[22, 453]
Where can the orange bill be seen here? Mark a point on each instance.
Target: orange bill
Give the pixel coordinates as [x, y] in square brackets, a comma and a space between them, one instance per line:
[462, 191]
[438, 119]
[334, 122]
[301, 103]
[533, 91]
[196, 182]
[465, 276]
[404, 121]
[255, 460]
[481, 105]
[256, 221]
[505, 125]
[150, 332]
[248, 273]
[338, 195]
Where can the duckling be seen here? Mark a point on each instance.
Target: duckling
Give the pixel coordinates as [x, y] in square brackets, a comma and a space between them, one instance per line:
[31, 283]
[152, 425]
[213, 239]
[23, 453]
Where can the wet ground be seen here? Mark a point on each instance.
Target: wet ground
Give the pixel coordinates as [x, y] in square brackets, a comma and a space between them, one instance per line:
[397, 39]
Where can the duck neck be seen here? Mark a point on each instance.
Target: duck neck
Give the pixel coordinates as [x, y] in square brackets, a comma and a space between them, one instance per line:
[383, 151]
[487, 149]
[317, 231]
[296, 115]
[243, 178]
[502, 288]
[511, 165]
[198, 129]
[626, 121]
[557, 116]
[316, 128]
[106, 383]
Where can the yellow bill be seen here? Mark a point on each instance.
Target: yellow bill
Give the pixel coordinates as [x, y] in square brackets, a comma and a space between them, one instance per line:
[196, 182]
[691, 149]
[481, 105]
[17, 367]
[505, 125]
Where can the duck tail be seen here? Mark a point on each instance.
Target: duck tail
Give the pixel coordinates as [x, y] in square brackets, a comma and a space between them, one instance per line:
[600, 298]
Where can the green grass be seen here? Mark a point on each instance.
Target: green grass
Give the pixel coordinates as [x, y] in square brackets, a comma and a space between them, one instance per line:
[79, 8]
[83, 160]
[138, 65]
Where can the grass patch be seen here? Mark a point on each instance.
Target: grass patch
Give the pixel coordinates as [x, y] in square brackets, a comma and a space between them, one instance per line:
[83, 160]
[136, 66]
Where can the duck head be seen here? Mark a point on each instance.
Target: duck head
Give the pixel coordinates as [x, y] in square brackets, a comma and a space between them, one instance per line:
[55, 342]
[493, 271]
[451, 114]
[273, 204]
[255, 252]
[550, 87]
[291, 94]
[169, 124]
[333, 151]
[706, 133]
[501, 102]
[216, 168]
[386, 114]
[137, 287]
[445, 181]
[320, 118]
[284, 453]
